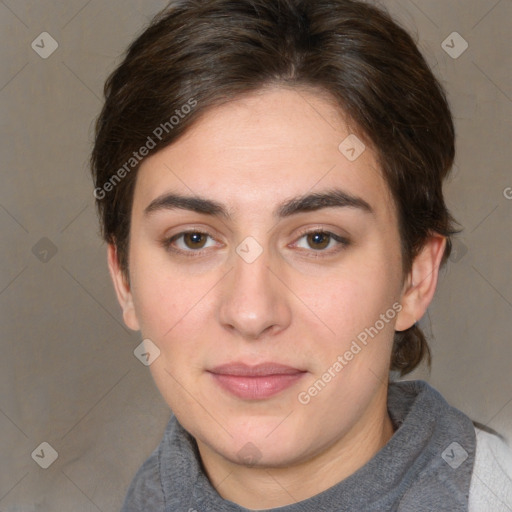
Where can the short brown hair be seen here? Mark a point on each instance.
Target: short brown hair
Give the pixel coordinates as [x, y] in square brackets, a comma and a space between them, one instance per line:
[202, 53]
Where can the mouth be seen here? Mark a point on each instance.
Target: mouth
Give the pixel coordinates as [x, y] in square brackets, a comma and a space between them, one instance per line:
[255, 382]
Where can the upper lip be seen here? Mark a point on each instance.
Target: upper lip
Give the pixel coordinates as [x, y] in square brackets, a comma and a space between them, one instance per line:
[244, 370]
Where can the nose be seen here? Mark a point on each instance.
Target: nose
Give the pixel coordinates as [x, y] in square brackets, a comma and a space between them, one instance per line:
[253, 302]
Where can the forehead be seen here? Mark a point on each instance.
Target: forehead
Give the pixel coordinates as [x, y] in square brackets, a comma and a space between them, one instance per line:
[263, 148]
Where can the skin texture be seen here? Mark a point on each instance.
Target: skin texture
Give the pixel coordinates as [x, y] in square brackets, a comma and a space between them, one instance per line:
[295, 304]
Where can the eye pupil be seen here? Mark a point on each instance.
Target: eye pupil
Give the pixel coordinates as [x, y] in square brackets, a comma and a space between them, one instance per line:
[318, 240]
[194, 240]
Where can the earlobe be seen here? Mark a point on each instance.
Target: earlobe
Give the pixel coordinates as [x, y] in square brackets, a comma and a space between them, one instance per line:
[122, 288]
[421, 283]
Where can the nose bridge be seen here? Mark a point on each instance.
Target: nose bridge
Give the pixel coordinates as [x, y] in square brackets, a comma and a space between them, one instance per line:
[253, 301]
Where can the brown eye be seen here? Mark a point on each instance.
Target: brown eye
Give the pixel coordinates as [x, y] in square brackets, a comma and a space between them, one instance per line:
[318, 240]
[322, 243]
[195, 240]
[189, 243]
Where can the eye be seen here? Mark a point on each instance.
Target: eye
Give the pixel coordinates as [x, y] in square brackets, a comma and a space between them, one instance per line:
[189, 242]
[321, 241]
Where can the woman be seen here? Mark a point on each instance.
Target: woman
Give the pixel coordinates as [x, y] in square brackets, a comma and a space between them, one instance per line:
[269, 180]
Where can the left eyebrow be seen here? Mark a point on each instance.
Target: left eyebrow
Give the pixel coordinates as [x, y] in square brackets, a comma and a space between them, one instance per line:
[334, 198]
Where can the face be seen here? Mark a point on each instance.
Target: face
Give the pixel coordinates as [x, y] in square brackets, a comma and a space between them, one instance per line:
[265, 265]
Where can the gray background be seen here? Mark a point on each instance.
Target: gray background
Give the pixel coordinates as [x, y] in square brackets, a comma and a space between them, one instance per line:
[68, 375]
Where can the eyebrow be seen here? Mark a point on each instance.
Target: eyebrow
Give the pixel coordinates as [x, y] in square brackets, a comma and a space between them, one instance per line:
[334, 198]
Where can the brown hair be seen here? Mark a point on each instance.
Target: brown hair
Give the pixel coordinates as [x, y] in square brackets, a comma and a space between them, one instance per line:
[197, 54]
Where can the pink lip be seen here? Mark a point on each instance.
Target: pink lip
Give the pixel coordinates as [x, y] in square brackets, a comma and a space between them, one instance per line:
[255, 382]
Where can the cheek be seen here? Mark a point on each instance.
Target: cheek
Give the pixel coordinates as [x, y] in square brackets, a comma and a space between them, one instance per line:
[352, 361]
[351, 303]
[354, 298]
[173, 311]
[163, 297]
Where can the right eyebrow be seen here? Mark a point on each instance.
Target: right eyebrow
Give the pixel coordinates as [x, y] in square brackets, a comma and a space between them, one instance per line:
[195, 204]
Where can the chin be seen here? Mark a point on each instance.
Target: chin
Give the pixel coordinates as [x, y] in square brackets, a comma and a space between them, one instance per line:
[263, 446]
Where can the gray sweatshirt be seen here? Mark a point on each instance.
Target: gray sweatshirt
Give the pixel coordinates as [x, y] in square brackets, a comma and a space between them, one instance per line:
[428, 465]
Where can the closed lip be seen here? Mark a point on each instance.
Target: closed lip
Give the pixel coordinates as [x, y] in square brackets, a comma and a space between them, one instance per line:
[239, 369]
[255, 382]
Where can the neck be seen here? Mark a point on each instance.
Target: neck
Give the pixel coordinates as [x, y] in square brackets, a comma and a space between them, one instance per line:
[261, 487]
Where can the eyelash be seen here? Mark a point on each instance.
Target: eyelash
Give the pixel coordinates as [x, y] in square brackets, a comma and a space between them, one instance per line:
[319, 253]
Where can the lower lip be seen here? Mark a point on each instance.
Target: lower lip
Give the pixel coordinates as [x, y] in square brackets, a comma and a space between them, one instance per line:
[256, 388]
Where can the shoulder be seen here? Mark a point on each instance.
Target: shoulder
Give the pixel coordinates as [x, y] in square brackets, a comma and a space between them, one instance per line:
[491, 482]
[145, 492]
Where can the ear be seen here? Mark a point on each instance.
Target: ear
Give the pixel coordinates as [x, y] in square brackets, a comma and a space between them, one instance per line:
[420, 284]
[122, 287]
